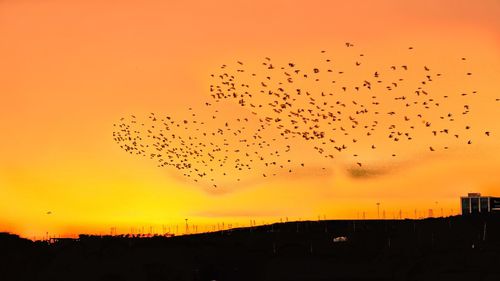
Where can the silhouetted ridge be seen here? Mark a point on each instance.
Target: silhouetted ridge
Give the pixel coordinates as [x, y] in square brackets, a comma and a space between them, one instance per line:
[454, 248]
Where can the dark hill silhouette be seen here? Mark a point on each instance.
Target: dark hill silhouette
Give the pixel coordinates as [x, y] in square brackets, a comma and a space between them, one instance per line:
[455, 248]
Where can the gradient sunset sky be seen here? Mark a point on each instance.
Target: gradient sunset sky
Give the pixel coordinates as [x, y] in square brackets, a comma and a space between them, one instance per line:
[70, 69]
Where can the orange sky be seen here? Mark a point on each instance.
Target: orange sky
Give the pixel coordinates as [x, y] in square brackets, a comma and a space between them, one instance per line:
[70, 69]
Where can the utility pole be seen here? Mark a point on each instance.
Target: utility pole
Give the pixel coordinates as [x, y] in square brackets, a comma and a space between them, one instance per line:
[378, 210]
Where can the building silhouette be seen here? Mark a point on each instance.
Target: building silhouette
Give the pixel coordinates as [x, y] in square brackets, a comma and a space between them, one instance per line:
[474, 203]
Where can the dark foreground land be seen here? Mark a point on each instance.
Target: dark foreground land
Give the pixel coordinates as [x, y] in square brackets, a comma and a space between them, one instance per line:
[456, 248]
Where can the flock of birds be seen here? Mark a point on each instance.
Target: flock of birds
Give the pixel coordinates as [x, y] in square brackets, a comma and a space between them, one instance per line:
[340, 111]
